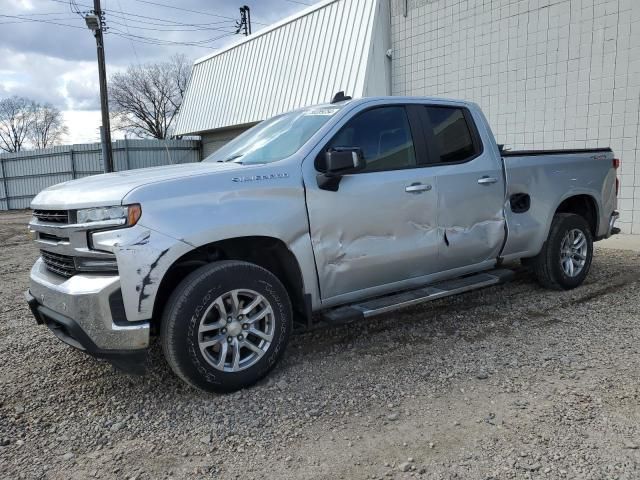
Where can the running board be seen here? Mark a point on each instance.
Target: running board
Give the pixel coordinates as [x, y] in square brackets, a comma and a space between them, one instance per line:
[396, 301]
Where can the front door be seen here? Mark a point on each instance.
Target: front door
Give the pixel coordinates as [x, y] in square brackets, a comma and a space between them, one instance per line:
[380, 226]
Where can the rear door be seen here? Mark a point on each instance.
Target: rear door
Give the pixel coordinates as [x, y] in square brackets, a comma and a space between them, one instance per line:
[471, 188]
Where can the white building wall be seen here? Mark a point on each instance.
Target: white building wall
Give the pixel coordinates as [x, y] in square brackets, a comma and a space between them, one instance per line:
[548, 73]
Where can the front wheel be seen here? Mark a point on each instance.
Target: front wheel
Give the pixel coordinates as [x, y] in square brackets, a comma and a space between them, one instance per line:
[226, 325]
[565, 259]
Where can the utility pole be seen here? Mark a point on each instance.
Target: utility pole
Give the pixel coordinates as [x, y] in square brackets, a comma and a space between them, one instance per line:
[245, 21]
[248, 14]
[95, 22]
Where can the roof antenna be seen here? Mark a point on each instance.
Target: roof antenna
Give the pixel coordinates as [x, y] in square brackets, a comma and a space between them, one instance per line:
[340, 97]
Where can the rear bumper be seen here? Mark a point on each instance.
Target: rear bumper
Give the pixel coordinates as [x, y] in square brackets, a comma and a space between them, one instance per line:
[611, 228]
[86, 312]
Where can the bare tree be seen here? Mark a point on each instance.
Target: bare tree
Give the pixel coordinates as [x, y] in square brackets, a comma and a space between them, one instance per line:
[16, 120]
[48, 126]
[145, 99]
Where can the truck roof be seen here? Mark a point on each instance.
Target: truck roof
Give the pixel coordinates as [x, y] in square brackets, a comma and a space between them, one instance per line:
[413, 99]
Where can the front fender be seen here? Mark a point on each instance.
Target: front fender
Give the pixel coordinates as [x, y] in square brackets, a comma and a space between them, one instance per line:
[269, 202]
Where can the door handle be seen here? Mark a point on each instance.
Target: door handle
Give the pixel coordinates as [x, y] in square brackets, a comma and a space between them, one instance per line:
[417, 188]
[487, 180]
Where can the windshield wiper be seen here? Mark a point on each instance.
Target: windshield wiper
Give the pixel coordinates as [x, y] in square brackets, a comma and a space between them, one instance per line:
[231, 159]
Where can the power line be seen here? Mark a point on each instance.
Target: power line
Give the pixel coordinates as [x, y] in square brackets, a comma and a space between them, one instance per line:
[16, 22]
[74, 5]
[43, 14]
[188, 10]
[300, 3]
[66, 2]
[37, 20]
[170, 27]
[157, 44]
[123, 14]
[133, 47]
[74, 8]
[167, 23]
[49, 19]
[164, 42]
[138, 27]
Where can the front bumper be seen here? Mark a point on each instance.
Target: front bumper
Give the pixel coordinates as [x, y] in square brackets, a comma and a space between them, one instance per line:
[86, 312]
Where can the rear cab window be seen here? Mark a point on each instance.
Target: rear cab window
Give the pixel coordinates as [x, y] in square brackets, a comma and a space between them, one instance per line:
[451, 134]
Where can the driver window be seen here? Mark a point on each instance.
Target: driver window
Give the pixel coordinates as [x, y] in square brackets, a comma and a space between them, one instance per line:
[384, 135]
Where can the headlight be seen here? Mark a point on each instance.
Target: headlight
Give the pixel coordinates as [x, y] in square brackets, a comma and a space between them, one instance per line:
[118, 215]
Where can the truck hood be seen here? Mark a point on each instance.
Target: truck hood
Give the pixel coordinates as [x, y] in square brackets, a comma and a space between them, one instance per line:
[111, 188]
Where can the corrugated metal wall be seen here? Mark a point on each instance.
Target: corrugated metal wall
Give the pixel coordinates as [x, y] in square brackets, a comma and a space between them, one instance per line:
[300, 61]
[212, 141]
[24, 174]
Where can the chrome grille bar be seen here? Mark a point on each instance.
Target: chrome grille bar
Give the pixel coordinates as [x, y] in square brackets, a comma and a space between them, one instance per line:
[52, 216]
[60, 264]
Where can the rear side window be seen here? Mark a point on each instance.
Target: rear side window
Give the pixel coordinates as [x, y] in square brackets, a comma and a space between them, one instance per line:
[384, 136]
[451, 135]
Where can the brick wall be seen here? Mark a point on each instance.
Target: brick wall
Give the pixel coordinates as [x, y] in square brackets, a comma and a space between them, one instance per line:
[548, 73]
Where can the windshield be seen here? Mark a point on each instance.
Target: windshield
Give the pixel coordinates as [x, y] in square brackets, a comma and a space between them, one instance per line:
[276, 138]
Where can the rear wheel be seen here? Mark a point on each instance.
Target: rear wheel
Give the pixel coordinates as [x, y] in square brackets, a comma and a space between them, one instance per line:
[565, 259]
[226, 326]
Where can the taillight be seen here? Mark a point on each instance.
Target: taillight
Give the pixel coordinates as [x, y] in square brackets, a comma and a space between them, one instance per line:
[616, 164]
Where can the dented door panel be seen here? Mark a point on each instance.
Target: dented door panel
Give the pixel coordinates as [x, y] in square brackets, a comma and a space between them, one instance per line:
[471, 202]
[371, 232]
[470, 215]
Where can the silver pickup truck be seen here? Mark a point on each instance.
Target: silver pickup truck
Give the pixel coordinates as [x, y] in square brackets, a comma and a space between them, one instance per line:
[328, 213]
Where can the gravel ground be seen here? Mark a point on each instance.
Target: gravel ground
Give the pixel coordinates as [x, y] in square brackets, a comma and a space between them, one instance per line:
[508, 382]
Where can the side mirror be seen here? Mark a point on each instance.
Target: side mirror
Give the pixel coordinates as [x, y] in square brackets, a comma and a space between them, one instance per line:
[338, 162]
[344, 160]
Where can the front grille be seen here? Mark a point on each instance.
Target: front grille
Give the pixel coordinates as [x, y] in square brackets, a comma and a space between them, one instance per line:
[52, 216]
[51, 238]
[60, 264]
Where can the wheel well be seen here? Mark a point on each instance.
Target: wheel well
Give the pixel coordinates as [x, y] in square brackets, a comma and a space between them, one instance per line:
[585, 206]
[267, 252]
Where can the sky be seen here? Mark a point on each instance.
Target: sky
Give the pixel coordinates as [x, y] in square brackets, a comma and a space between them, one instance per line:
[49, 55]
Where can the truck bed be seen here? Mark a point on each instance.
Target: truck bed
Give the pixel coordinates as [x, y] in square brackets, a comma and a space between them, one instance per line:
[539, 181]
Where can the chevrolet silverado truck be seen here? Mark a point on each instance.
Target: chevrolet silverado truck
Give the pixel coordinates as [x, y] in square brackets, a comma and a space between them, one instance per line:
[332, 213]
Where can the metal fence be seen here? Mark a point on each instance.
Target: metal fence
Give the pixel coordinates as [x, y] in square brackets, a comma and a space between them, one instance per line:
[24, 174]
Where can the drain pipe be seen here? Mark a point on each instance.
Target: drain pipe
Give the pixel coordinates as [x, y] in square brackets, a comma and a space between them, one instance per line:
[406, 8]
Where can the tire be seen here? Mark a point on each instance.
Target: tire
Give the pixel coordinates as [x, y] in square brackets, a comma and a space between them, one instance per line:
[198, 345]
[548, 264]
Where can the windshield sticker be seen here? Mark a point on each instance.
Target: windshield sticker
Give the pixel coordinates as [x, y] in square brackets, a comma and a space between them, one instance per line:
[322, 112]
